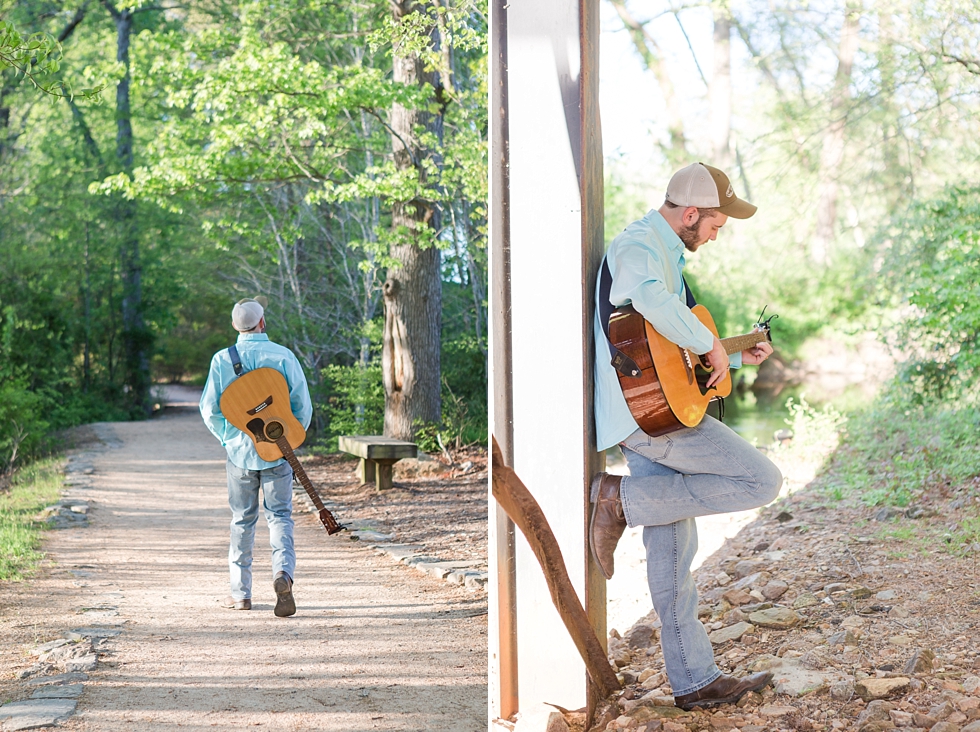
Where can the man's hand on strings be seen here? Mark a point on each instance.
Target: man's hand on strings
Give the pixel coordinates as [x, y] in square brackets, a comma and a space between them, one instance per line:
[757, 354]
[717, 359]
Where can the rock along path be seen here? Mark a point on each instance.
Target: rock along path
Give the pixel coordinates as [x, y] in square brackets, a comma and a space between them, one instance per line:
[373, 646]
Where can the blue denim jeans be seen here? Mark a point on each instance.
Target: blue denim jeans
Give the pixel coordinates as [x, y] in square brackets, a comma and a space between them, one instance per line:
[277, 502]
[699, 471]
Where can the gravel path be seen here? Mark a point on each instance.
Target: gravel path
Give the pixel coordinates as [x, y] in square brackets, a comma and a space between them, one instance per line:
[374, 645]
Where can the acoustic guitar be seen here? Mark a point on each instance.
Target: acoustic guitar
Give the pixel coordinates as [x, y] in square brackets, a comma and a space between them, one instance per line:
[667, 394]
[257, 403]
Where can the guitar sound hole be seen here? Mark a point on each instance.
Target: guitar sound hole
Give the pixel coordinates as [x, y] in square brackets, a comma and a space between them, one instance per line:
[274, 430]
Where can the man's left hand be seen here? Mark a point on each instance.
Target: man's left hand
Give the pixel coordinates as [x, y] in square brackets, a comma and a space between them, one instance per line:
[757, 354]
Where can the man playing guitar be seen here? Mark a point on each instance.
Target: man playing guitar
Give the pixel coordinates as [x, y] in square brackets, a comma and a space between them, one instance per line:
[693, 471]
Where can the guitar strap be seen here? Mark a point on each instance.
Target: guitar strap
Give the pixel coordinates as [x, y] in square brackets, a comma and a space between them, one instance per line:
[620, 361]
[236, 360]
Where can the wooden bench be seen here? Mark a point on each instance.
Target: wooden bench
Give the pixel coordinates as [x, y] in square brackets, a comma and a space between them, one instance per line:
[377, 455]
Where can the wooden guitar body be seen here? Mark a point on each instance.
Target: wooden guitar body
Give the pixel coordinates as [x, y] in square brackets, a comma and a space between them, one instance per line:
[257, 403]
[666, 395]
[259, 398]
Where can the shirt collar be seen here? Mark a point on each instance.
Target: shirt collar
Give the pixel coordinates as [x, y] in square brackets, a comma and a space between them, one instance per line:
[674, 244]
[252, 337]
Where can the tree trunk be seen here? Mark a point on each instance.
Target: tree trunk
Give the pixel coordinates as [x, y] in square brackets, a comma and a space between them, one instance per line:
[413, 289]
[720, 90]
[832, 154]
[136, 337]
[649, 51]
[894, 179]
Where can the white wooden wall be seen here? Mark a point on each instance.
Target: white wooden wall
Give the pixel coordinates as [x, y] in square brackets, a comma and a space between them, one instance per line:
[555, 244]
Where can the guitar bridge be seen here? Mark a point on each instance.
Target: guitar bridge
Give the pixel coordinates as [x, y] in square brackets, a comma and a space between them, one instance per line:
[688, 366]
[260, 407]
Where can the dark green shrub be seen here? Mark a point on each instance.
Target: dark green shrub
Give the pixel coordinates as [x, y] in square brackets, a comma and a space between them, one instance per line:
[22, 425]
[354, 401]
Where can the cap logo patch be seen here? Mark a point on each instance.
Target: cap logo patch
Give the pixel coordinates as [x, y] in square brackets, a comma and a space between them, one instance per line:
[729, 193]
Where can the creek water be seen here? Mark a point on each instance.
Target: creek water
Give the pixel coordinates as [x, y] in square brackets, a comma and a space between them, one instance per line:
[757, 416]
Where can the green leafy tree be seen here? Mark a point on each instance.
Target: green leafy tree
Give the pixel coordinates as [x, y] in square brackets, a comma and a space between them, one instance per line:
[374, 148]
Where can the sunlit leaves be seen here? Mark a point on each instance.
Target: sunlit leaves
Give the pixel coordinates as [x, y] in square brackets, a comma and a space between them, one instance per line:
[933, 267]
[37, 58]
[244, 109]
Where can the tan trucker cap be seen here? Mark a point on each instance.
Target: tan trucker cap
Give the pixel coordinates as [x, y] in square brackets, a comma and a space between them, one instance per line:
[707, 187]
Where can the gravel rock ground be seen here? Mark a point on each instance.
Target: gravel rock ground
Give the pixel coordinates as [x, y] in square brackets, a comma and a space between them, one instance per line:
[374, 644]
[441, 508]
[868, 619]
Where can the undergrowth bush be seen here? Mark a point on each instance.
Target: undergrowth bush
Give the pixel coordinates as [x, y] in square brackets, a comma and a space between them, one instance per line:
[22, 424]
[27, 417]
[896, 451]
[931, 271]
[352, 400]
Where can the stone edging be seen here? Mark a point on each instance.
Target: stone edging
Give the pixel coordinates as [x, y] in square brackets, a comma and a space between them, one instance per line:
[77, 651]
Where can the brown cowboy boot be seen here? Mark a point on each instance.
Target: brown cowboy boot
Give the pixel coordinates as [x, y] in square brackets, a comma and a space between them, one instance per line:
[723, 690]
[283, 586]
[232, 604]
[608, 522]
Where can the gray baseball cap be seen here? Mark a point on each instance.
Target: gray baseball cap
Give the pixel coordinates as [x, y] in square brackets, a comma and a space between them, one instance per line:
[248, 312]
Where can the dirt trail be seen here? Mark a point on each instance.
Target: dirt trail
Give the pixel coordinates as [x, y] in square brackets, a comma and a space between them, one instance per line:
[373, 646]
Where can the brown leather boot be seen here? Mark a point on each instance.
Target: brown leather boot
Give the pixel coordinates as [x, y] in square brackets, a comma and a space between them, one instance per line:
[285, 605]
[608, 522]
[232, 604]
[723, 690]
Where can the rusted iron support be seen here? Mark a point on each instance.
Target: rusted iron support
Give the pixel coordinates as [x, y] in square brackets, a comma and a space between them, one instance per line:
[514, 497]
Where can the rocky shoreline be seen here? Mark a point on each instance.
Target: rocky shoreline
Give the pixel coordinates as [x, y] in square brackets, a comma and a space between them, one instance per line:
[866, 624]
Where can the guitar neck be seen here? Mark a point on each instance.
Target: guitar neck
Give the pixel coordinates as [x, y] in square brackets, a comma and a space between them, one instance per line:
[737, 344]
[329, 522]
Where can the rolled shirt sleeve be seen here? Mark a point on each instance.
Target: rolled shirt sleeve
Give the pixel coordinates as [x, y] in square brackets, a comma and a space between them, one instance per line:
[638, 278]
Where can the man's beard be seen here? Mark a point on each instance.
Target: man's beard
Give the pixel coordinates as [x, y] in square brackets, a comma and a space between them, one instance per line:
[690, 236]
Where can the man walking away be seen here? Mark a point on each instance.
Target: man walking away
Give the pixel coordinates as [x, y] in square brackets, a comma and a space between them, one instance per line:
[247, 472]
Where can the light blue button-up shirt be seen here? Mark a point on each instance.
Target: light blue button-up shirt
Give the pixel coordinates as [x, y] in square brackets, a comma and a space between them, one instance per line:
[646, 262]
[256, 351]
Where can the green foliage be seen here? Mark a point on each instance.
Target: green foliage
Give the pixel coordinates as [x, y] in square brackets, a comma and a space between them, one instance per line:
[353, 402]
[932, 271]
[464, 391]
[814, 430]
[31, 489]
[896, 451]
[184, 349]
[33, 56]
[22, 426]
[815, 436]
[624, 201]
[37, 58]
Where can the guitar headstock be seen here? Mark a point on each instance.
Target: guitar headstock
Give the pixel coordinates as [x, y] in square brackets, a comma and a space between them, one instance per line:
[762, 326]
[329, 522]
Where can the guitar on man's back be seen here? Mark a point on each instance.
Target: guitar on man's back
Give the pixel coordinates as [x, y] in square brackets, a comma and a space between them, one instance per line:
[257, 403]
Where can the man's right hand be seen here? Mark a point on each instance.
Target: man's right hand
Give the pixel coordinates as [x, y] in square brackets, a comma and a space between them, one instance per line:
[717, 359]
